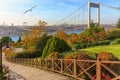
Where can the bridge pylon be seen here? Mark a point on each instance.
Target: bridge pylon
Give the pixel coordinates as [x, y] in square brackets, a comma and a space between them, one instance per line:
[94, 5]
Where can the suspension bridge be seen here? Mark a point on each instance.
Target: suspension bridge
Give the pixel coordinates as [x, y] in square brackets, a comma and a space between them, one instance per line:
[59, 65]
[77, 19]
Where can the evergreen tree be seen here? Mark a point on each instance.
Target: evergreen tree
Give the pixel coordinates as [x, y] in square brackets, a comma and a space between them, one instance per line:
[55, 44]
[19, 39]
[118, 23]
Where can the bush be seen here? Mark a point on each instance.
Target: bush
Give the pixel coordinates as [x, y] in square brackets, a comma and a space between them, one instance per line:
[28, 54]
[40, 44]
[54, 55]
[105, 42]
[116, 41]
[113, 33]
[69, 56]
[82, 56]
[85, 65]
[55, 45]
[85, 45]
[107, 56]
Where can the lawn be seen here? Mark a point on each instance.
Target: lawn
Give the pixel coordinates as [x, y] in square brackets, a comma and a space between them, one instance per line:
[91, 51]
[115, 49]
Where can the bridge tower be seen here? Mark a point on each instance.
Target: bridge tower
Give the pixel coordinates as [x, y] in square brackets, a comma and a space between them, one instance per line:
[94, 5]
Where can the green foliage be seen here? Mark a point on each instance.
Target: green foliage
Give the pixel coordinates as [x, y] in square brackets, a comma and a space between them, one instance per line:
[105, 42]
[28, 54]
[5, 40]
[116, 41]
[115, 49]
[88, 44]
[54, 55]
[93, 34]
[113, 33]
[107, 56]
[40, 44]
[118, 23]
[55, 45]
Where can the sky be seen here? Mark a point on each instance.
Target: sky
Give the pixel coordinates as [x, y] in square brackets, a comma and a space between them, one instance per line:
[51, 11]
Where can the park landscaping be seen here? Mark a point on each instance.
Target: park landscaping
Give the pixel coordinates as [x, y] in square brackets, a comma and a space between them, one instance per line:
[88, 45]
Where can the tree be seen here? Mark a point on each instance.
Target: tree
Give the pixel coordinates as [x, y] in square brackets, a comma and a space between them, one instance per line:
[5, 40]
[61, 34]
[40, 44]
[118, 23]
[33, 36]
[19, 39]
[55, 44]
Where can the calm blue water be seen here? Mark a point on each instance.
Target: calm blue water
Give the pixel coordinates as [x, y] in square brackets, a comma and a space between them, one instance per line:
[15, 38]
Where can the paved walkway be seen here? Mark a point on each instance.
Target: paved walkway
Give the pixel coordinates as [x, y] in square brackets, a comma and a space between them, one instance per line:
[20, 72]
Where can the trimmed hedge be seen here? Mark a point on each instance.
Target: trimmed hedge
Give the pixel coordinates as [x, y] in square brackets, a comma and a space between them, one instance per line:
[28, 54]
[85, 45]
[113, 33]
[116, 41]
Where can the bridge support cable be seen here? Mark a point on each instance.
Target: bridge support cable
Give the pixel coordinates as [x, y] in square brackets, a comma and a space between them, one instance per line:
[111, 7]
[62, 20]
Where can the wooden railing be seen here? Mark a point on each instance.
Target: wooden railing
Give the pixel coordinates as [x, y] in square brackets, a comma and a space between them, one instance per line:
[77, 69]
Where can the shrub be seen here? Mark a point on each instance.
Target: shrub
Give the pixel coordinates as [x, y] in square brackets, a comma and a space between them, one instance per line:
[40, 44]
[69, 56]
[82, 56]
[61, 34]
[28, 54]
[55, 45]
[113, 33]
[107, 56]
[85, 65]
[116, 41]
[105, 42]
[81, 45]
[85, 45]
[54, 55]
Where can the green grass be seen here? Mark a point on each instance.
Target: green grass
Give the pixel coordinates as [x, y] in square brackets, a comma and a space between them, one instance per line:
[114, 49]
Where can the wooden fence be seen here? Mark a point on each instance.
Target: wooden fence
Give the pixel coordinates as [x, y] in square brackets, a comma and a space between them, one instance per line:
[77, 69]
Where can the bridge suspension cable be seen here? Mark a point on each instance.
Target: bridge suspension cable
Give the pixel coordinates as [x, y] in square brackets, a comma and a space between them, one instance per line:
[78, 15]
[70, 14]
[115, 8]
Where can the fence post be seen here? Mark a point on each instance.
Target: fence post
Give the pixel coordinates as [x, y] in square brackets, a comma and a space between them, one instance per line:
[98, 69]
[61, 60]
[75, 70]
[52, 64]
[45, 63]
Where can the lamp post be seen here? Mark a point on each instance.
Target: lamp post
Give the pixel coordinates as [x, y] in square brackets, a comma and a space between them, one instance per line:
[1, 61]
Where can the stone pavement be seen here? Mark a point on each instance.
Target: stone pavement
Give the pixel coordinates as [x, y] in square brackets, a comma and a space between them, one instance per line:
[20, 72]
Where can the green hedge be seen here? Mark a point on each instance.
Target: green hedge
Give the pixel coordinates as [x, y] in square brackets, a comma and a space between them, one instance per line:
[85, 45]
[28, 54]
[116, 41]
[113, 33]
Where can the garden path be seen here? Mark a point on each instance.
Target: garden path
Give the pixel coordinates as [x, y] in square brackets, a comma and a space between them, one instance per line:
[20, 72]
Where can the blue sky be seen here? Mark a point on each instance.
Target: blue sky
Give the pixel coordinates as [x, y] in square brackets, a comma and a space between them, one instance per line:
[52, 11]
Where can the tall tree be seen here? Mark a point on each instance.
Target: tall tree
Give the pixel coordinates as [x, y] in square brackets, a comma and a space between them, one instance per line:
[19, 39]
[118, 23]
